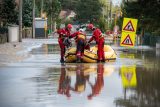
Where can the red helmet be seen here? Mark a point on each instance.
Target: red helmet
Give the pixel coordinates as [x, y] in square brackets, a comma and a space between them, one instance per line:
[90, 26]
[69, 26]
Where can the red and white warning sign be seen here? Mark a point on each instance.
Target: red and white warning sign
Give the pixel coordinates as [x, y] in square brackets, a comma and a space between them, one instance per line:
[129, 25]
[127, 39]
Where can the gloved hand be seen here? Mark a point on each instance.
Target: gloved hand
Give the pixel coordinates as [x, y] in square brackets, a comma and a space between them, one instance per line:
[87, 43]
[69, 37]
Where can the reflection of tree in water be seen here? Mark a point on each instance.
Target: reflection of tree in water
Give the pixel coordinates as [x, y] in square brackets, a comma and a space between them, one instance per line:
[147, 92]
[150, 58]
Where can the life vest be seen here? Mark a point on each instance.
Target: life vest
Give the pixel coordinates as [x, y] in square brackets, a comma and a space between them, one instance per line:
[81, 36]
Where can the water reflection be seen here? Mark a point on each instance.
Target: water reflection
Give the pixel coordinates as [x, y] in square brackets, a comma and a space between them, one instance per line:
[143, 90]
[47, 49]
[85, 75]
[64, 83]
[99, 82]
[128, 75]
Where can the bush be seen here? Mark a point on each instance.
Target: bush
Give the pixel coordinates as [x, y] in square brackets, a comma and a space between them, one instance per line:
[3, 30]
[102, 24]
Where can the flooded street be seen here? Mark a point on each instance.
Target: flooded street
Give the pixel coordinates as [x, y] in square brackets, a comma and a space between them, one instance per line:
[41, 81]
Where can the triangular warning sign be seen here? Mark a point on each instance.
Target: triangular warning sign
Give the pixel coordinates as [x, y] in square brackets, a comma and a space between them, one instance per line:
[127, 41]
[128, 76]
[129, 27]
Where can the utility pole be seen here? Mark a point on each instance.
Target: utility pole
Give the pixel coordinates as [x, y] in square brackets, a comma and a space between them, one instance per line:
[110, 11]
[33, 20]
[20, 20]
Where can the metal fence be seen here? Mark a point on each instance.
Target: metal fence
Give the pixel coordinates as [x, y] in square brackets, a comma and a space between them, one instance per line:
[150, 40]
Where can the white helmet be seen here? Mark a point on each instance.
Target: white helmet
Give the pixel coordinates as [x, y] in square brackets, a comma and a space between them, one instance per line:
[81, 30]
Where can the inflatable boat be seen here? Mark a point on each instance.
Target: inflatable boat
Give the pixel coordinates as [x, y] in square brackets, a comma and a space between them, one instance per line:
[90, 56]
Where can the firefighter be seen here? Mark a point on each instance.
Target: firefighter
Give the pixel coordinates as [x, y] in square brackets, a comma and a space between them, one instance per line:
[98, 37]
[80, 38]
[99, 84]
[64, 83]
[64, 34]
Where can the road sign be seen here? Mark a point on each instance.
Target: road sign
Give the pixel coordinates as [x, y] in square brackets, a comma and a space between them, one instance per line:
[127, 39]
[128, 75]
[129, 25]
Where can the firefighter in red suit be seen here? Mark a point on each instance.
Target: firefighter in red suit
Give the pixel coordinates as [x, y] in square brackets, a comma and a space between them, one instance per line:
[98, 37]
[80, 38]
[63, 33]
[97, 87]
[64, 83]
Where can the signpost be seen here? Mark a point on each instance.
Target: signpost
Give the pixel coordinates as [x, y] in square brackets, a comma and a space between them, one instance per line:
[128, 32]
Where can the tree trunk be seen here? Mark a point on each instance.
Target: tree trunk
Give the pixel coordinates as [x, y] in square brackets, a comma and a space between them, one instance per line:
[20, 20]
[54, 26]
[33, 20]
[51, 21]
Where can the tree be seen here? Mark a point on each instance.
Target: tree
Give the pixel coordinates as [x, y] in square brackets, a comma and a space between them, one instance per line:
[146, 11]
[37, 8]
[69, 4]
[88, 11]
[52, 8]
[27, 13]
[9, 13]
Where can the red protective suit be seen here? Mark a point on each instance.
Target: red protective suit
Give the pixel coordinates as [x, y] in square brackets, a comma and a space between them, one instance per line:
[63, 33]
[64, 83]
[98, 37]
[80, 39]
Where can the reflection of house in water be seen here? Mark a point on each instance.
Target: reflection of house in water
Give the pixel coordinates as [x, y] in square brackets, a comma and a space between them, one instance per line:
[51, 48]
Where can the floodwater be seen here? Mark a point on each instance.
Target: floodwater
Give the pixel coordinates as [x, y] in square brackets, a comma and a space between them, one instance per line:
[41, 81]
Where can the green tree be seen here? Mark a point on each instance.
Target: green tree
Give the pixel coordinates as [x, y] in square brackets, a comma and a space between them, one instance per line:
[88, 11]
[146, 11]
[52, 8]
[69, 4]
[102, 24]
[27, 13]
[9, 13]
[38, 8]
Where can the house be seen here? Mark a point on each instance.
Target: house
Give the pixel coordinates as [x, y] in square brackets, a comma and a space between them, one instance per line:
[67, 14]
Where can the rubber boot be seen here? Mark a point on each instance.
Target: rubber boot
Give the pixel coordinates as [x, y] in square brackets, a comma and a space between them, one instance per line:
[78, 60]
[62, 60]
